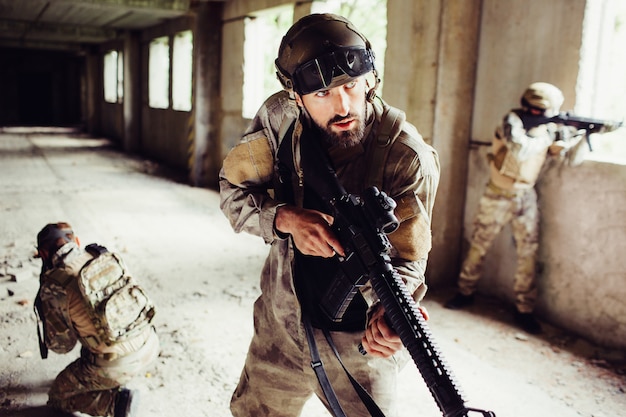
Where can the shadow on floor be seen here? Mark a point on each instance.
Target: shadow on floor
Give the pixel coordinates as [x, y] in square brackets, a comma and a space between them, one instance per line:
[41, 411]
[613, 360]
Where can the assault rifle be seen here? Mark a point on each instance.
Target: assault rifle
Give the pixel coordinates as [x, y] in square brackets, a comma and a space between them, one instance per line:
[362, 224]
[568, 119]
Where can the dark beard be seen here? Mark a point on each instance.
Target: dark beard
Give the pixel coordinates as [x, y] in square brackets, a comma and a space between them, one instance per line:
[346, 138]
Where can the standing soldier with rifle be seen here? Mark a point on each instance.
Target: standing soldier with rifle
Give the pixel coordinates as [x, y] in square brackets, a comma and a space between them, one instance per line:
[327, 68]
[526, 138]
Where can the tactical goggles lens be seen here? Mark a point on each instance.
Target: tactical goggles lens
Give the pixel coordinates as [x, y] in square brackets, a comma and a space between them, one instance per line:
[318, 73]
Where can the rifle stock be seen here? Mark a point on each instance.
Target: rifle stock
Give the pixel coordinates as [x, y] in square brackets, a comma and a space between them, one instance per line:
[362, 224]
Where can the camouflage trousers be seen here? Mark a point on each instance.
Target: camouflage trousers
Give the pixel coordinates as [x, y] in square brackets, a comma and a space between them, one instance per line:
[496, 209]
[90, 384]
[277, 379]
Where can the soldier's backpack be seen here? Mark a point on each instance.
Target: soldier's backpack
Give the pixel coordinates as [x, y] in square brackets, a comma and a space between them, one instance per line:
[118, 306]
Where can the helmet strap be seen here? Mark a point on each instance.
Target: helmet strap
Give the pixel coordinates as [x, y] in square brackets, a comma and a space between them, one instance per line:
[371, 94]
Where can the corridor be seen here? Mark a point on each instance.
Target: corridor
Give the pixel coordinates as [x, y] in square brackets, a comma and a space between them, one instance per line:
[204, 280]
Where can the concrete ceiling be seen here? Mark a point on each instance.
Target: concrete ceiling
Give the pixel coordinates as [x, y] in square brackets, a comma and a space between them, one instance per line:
[68, 24]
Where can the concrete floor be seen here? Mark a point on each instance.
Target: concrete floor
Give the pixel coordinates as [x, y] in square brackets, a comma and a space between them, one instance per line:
[204, 279]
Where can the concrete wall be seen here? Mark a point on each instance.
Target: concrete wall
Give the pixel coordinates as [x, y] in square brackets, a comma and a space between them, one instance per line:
[582, 250]
[429, 72]
[523, 42]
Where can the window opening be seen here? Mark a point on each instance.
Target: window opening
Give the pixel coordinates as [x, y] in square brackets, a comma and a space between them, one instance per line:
[370, 17]
[113, 77]
[182, 70]
[601, 81]
[120, 76]
[159, 73]
[263, 34]
[264, 31]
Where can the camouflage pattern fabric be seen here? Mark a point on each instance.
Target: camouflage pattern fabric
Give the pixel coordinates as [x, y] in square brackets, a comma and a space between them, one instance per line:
[277, 378]
[90, 384]
[60, 335]
[498, 208]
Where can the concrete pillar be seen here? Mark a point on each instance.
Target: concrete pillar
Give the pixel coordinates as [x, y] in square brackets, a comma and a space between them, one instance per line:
[430, 66]
[301, 9]
[460, 28]
[233, 124]
[92, 95]
[132, 92]
[205, 157]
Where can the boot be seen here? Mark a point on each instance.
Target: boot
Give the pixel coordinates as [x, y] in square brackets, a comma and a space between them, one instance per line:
[126, 403]
[527, 322]
[459, 301]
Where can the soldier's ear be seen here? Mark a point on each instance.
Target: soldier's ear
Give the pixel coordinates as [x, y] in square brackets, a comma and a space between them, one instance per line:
[298, 100]
[41, 253]
[77, 240]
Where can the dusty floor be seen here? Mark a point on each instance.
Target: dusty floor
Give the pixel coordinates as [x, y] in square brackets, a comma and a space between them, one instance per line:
[203, 278]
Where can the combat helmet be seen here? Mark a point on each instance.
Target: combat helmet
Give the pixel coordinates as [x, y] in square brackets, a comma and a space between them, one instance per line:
[53, 236]
[322, 51]
[543, 96]
[50, 239]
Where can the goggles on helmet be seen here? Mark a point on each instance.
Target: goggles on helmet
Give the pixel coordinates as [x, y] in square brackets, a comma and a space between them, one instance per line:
[318, 73]
[50, 234]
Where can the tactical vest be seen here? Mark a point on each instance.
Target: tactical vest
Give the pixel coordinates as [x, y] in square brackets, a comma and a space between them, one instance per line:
[312, 275]
[507, 171]
[116, 304]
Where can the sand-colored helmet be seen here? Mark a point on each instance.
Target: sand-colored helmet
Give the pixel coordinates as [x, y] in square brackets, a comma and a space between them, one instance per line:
[543, 96]
[322, 51]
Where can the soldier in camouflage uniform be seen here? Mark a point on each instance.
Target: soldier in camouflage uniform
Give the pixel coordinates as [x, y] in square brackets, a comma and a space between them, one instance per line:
[517, 156]
[327, 68]
[92, 384]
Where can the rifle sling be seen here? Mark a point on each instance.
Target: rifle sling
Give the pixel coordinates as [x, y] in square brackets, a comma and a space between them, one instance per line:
[329, 393]
[385, 137]
[318, 367]
[367, 399]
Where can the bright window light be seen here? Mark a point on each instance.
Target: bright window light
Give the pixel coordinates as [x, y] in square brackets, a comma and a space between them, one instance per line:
[113, 77]
[182, 70]
[120, 76]
[601, 81]
[265, 30]
[370, 17]
[263, 34]
[159, 73]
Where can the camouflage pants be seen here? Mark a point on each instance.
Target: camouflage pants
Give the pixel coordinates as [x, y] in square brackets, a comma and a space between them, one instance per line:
[90, 385]
[277, 378]
[494, 212]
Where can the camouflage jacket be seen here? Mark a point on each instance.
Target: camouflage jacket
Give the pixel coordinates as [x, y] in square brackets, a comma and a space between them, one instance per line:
[518, 155]
[60, 335]
[68, 316]
[410, 177]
